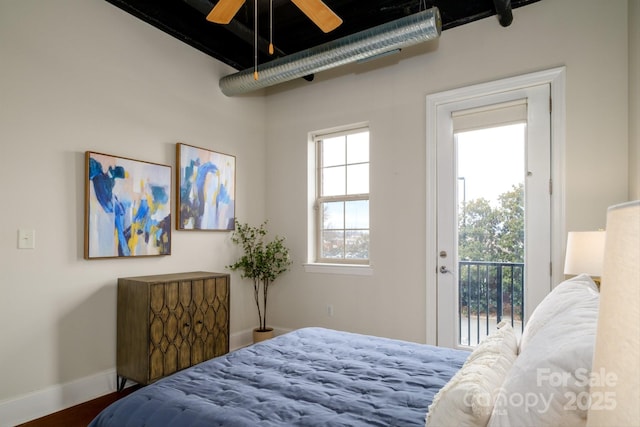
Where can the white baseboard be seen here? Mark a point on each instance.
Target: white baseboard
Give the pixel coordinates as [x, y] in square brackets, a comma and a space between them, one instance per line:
[52, 399]
[245, 338]
[240, 339]
[61, 396]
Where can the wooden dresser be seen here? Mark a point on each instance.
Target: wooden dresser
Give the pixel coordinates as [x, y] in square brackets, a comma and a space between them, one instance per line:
[169, 322]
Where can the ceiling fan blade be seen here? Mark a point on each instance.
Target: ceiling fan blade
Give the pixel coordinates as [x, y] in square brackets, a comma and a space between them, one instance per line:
[319, 13]
[224, 11]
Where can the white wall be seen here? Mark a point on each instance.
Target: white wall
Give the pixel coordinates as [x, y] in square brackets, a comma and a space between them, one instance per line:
[390, 95]
[80, 75]
[634, 99]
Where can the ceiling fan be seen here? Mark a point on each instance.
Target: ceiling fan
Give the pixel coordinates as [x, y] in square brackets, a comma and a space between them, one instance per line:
[316, 10]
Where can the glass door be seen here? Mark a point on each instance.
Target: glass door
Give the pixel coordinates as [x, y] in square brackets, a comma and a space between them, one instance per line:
[493, 213]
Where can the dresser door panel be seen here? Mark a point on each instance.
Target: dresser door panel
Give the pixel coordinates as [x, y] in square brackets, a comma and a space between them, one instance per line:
[182, 313]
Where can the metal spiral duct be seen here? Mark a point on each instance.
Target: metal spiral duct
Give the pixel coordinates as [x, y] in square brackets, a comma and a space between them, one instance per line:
[404, 32]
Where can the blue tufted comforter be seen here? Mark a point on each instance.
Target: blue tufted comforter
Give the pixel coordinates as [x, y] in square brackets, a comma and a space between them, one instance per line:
[309, 377]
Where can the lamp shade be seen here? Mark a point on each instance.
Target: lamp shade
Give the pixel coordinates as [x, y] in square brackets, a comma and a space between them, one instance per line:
[585, 250]
[615, 379]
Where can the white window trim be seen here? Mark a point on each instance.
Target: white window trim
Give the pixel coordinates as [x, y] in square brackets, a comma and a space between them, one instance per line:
[327, 268]
[347, 269]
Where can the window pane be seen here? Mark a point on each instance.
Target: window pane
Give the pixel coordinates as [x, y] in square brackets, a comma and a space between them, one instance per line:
[333, 151]
[343, 175]
[358, 148]
[332, 215]
[357, 214]
[358, 179]
[333, 244]
[333, 181]
[357, 244]
[491, 229]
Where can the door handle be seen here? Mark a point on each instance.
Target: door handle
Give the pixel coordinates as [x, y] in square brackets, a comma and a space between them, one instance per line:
[444, 269]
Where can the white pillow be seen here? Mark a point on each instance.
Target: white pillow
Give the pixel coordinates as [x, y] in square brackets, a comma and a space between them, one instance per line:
[548, 385]
[560, 299]
[467, 399]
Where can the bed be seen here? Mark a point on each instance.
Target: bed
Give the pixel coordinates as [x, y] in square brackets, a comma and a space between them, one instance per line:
[321, 377]
[308, 377]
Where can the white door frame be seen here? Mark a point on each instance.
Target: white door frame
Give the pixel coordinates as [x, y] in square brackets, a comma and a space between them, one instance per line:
[556, 79]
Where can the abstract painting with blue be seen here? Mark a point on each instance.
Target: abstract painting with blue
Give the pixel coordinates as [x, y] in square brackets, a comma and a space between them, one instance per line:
[128, 207]
[206, 181]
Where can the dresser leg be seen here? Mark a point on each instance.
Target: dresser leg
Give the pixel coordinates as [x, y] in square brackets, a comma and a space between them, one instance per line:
[120, 381]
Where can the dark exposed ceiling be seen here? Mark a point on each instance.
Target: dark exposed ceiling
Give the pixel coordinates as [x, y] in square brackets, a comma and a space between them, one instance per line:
[233, 44]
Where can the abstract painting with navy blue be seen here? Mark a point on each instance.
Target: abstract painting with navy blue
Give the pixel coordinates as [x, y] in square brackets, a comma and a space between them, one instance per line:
[207, 189]
[128, 207]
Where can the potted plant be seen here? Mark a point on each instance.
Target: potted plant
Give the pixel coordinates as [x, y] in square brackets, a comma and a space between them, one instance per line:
[262, 262]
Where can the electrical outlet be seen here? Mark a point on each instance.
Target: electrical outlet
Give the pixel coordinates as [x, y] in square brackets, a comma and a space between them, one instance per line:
[26, 238]
[330, 310]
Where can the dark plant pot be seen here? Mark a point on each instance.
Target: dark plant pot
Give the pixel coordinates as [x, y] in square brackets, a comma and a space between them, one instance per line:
[261, 335]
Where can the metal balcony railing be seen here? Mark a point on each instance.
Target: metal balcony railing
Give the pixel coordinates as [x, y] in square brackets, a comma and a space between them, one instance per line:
[488, 293]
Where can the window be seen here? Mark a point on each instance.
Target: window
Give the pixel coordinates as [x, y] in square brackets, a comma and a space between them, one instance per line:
[342, 197]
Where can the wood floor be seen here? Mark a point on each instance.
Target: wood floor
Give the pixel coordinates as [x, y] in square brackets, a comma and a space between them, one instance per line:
[79, 415]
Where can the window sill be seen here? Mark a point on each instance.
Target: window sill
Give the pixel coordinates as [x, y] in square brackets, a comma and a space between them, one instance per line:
[348, 269]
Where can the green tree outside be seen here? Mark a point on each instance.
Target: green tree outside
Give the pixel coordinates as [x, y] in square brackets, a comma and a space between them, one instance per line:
[496, 234]
[491, 234]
